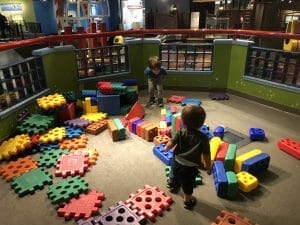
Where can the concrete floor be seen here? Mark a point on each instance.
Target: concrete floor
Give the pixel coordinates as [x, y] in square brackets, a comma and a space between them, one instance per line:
[124, 167]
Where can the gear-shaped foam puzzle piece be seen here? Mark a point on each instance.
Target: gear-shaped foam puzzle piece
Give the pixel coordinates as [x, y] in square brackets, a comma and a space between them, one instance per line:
[218, 96]
[78, 123]
[74, 143]
[89, 221]
[54, 135]
[45, 147]
[120, 214]
[231, 218]
[35, 124]
[72, 164]
[18, 167]
[85, 206]
[51, 101]
[27, 183]
[14, 145]
[94, 117]
[93, 154]
[191, 101]
[49, 158]
[149, 202]
[66, 189]
[73, 132]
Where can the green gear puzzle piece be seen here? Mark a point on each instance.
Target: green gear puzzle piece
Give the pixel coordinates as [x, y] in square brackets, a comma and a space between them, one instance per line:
[31, 181]
[36, 123]
[49, 158]
[66, 189]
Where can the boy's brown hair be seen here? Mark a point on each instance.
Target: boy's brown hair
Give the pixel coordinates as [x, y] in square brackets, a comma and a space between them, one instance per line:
[154, 62]
[193, 116]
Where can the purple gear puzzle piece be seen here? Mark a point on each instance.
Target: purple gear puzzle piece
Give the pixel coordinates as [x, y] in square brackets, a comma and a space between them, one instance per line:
[78, 123]
[218, 96]
[120, 214]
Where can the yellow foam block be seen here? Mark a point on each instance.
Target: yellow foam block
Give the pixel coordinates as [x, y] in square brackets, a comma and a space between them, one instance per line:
[242, 158]
[163, 112]
[214, 146]
[247, 182]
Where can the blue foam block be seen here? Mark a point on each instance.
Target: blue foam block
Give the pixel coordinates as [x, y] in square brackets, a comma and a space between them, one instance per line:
[109, 104]
[164, 156]
[257, 134]
[257, 164]
[220, 178]
[219, 131]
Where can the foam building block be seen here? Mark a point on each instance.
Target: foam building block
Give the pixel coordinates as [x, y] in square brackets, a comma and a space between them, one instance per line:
[164, 156]
[220, 179]
[257, 134]
[219, 131]
[109, 104]
[230, 157]
[137, 110]
[290, 146]
[241, 158]
[247, 182]
[257, 164]
[222, 151]
[214, 146]
[232, 188]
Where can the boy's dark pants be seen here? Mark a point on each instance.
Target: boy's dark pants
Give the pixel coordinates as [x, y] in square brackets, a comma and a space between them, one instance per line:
[183, 176]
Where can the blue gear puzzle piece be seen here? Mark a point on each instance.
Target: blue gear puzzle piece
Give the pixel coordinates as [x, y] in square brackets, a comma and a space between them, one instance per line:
[164, 156]
[257, 164]
[45, 147]
[220, 178]
[191, 101]
[73, 132]
[257, 134]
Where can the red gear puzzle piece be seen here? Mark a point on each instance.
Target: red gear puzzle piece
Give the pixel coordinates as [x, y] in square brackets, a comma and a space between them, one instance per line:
[71, 165]
[85, 206]
[149, 201]
[227, 218]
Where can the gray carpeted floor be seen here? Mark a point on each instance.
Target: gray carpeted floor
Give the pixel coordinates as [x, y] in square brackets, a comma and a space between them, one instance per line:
[124, 167]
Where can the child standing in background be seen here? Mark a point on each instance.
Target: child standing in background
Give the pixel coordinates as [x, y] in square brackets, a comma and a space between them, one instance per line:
[190, 144]
[155, 74]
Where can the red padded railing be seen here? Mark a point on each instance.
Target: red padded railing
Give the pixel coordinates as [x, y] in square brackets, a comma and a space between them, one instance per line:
[141, 33]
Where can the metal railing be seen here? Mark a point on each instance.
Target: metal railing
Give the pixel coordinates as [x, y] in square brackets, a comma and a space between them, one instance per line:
[97, 62]
[274, 65]
[20, 81]
[187, 57]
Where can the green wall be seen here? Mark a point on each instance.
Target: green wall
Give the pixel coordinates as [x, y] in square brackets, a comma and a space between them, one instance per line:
[60, 67]
[269, 93]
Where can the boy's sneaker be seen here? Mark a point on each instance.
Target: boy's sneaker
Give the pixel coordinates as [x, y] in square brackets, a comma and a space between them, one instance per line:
[190, 204]
[151, 101]
[160, 102]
